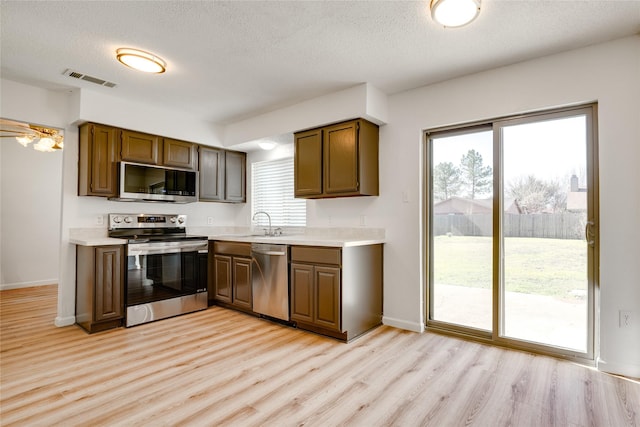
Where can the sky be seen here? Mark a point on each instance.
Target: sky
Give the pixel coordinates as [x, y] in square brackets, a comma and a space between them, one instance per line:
[550, 150]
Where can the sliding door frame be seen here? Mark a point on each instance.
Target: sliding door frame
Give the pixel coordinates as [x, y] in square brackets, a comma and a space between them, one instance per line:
[496, 335]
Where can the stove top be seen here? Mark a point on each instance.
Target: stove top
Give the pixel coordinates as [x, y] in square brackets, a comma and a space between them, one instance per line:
[148, 228]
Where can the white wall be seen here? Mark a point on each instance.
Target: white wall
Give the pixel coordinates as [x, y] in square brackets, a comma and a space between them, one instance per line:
[362, 100]
[30, 224]
[30, 193]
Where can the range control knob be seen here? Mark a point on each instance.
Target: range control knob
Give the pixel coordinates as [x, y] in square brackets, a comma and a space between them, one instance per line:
[180, 220]
[127, 219]
[172, 219]
[117, 219]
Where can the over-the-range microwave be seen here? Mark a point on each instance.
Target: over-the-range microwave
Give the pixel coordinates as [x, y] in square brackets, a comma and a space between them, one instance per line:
[139, 182]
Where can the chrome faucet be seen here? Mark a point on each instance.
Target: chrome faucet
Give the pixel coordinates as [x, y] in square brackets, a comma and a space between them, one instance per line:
[269, 233]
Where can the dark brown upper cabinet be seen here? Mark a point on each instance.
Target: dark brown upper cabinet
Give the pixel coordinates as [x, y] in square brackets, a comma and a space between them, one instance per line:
[235, 176]
[339, 160]
[98, 160]
[180, 154]
[222, 175]
[222, 172]
[140, 147]
[211, 162]
[308, 163]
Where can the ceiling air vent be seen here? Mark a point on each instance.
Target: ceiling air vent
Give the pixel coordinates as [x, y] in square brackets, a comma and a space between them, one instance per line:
[77, 75]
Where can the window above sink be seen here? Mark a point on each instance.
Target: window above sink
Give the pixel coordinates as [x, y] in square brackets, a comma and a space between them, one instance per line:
[272, 191]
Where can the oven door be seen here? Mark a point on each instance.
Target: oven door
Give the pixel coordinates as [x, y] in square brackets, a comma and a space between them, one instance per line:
[164, 279]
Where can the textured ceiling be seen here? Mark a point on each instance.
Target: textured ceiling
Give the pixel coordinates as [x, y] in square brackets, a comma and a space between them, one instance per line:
[229, 60]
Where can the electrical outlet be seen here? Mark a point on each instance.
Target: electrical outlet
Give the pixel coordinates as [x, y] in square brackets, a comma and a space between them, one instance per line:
[626, 318]
[363, 220]
[99, 220]
[209, 220]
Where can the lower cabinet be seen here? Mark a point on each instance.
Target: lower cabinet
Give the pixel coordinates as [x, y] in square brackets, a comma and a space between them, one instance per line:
[336, 292]
[315, 295]
[332, 291]
[100, 287]
[230, 281]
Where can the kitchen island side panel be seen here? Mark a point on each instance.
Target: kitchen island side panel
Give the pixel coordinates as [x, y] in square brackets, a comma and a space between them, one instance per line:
[85, 286]
[361, 289]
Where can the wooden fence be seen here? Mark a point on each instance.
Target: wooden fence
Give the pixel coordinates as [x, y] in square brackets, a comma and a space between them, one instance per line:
[566, 225]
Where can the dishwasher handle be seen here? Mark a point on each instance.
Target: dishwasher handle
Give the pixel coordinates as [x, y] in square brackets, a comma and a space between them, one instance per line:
[277, 253]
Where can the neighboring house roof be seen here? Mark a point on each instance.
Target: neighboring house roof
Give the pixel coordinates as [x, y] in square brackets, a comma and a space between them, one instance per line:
[577, 201]
[463, 206]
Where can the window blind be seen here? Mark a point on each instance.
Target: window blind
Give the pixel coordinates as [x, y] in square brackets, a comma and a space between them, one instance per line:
[272, 192]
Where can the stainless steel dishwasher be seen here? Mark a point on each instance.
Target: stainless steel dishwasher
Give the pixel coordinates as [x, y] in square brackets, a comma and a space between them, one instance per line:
[270, 280]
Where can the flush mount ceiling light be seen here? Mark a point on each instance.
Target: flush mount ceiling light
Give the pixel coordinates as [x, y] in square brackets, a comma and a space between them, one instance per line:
[141, 60]
[267, 145]
[45, 139]
[454, 13]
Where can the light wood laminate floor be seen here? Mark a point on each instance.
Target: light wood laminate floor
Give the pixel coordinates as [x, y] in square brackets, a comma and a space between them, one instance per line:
[220, 367]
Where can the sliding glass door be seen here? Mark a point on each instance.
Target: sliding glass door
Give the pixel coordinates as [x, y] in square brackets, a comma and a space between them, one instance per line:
[462, 223]
[545, 289]
[511, 236]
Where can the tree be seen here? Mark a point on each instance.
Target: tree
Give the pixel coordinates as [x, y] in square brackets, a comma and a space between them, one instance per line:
[476, 178]
[535, 195]
[446, 180]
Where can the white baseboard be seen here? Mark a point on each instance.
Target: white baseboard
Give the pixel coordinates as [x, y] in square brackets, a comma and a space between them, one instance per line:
[65, 321]
[403, 324]
[624, 369]
[28, 284]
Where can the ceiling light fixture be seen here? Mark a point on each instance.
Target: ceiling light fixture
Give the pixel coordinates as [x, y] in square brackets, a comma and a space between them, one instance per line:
[141, 60]
[454, 13]
[46, 139]
[267, 145]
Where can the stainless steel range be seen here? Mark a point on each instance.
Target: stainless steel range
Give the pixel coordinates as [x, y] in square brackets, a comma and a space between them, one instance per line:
[166, 268]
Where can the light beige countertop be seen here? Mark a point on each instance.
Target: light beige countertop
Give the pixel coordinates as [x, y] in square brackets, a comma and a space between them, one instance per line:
[93, 237]
[308, 236]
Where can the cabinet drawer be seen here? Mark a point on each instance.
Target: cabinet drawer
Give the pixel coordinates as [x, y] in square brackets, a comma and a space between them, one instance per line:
[316, 255]
[232, 248]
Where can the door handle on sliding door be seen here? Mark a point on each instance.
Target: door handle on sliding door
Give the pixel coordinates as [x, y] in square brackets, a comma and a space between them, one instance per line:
[589, 233]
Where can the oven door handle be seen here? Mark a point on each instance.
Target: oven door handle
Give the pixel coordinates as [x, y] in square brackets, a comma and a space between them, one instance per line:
[158, 249]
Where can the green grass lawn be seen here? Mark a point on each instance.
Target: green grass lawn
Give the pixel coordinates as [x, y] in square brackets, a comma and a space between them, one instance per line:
[532, 265]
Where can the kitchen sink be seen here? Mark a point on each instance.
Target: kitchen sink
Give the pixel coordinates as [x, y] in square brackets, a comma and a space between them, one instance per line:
[254, 235]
